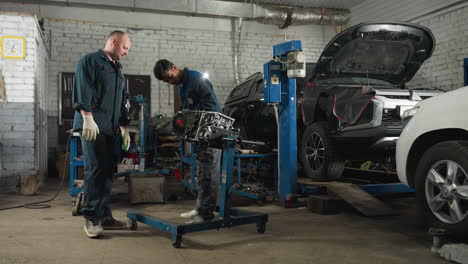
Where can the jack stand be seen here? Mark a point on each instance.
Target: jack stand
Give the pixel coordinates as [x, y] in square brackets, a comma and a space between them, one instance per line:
[228, 216]
[453, 252]
[439, 238]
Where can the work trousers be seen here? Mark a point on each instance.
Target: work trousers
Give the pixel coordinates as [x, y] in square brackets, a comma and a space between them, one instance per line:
[98, 176]
[208, 174]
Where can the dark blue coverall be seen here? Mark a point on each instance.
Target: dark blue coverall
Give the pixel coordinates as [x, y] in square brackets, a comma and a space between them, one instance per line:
[196, 93]
[99, 88]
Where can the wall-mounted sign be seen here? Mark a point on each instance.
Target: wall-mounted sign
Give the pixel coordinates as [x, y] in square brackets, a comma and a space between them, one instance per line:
[13, 47]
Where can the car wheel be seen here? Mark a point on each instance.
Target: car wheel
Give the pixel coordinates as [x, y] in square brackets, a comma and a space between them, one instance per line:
[317, 156]
[442, 186]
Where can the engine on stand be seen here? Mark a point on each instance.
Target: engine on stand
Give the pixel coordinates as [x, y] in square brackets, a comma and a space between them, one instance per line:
[203, 127]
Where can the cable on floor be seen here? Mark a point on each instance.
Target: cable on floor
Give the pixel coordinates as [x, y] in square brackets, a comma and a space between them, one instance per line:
[40, 204]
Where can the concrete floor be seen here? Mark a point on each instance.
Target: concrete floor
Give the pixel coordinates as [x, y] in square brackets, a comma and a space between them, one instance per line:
[297, 235]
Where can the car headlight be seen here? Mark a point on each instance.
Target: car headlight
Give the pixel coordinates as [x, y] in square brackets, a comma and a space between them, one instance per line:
[408, 114]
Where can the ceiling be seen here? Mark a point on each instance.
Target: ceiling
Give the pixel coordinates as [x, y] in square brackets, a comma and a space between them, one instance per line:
[342, 4]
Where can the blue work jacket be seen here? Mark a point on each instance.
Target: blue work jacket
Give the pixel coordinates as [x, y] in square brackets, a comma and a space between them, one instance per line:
[196, 92]
[100, 88]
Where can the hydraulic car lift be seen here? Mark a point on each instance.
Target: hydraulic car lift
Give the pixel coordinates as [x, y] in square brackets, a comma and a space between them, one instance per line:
[280, 90]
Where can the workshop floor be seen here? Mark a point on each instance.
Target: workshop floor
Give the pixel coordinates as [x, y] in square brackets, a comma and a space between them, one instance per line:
[297, 235]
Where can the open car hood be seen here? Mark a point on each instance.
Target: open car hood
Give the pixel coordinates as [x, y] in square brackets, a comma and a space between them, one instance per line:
[389, 51]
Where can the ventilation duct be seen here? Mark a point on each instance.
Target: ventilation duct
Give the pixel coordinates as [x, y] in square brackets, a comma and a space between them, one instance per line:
[287, 16]
[270, 14]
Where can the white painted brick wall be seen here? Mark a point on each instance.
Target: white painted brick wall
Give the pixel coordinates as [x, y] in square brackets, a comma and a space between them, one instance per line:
[396, 10]
[18, 116]
[204, 44]
[17, 135]
[202, 50]
[19, 74]
[444, 70]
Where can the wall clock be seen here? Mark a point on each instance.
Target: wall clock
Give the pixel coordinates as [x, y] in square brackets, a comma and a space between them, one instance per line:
[13, 47]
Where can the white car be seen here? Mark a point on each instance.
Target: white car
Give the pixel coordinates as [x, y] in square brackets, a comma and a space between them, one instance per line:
[432, 158]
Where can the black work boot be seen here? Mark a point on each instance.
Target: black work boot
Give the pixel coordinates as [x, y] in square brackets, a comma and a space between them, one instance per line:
[110, 223]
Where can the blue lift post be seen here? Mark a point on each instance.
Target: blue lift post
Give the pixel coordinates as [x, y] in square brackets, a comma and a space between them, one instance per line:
[228, 216]
[144, 114]
[280, 89]
[143, 128]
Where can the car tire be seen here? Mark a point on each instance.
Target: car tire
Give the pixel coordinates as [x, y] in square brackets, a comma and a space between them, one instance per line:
[317, 154]
[242, 129]
[437, 200]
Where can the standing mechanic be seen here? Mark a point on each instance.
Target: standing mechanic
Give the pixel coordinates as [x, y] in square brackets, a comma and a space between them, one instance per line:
[99, 98]
[196, 93]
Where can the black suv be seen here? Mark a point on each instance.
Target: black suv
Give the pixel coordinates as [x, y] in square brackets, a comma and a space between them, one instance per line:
[349, 105]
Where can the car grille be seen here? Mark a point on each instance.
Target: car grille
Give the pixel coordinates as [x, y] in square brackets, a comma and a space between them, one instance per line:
[405, 97]
[391, 119]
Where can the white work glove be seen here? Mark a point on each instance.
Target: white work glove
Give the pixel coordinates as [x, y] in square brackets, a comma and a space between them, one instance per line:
[125, 138]
[90, 128]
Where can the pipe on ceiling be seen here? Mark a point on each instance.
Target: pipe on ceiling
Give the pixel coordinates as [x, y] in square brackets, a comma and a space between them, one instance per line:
[269, 14]
[287, 16]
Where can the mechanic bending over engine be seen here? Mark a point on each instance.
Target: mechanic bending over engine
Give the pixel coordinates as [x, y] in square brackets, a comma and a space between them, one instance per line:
[196, 93]
[99, 98]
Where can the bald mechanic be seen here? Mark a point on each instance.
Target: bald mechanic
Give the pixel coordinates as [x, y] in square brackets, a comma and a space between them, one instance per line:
[99, 101]
[196, 93]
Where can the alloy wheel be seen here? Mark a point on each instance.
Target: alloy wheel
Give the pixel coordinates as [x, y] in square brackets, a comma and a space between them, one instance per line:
[446, 188]
[315, 151]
